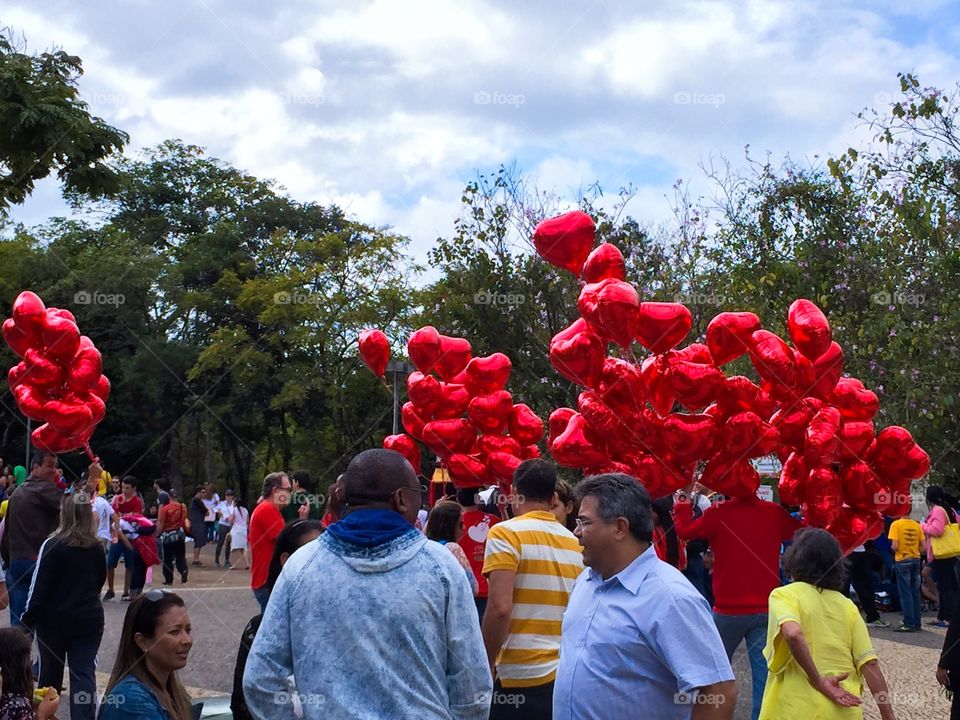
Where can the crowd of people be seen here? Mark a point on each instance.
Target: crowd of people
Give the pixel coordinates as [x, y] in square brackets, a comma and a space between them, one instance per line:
[590, 601]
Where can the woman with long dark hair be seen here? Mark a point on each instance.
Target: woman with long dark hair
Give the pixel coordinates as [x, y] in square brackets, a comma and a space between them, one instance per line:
[944, 569]
[63, 606]
[154, 644]
[445, 526]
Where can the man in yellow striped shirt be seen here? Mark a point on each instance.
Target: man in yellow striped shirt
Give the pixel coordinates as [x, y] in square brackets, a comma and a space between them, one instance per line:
[531, 563]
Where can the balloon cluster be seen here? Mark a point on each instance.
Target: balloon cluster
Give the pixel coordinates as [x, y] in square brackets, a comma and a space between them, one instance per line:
[59, 380]
[662, 418]
[459, 408]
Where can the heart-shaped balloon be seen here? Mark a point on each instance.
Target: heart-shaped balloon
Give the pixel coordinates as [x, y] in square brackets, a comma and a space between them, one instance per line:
[67, 418]
[793, 480]
[423, 347]
[468, 471]
[853, 528]
[449, 437]
[694, 352]
[15, 375]
[503, 465]
[658, 475]
[728, 335]
[85, 370]
[61, 337]
[917, 464]
[854, 439]
[694, 385]
[690, 437]
[375, 352]
[621, 386]
[862, 487]
[489, 374]
[792, 422]
[43, 372]
[580, 358]
[738, 394]
[31, 400]
[456, 399]
[29, 312]
[565, 240]
[498, 443]
[826, 372]
[528, 452]
[823, 497]
[772, 358]
[605, 261]
[575, 446]
[808, 328]
[412, 422]
[17, 338]
[47, 438]
[455, 353]
[424, 392]
[491, 413]
[406, 446]
[98, 408]
[557, 423]
[663, 325]
[820, 447]
[102, 388]
[653, 370]
[736, 479]
[745, 435]
[613, 308]
[601, 419]
[901, 501]
[853, 400]
[526, 427]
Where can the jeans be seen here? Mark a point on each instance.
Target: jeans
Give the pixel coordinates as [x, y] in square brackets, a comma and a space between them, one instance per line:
[19, 575]
[222, 532]
[861, 578]
[696, 573]
[118, 550]
[174, 552]
[80, 650]
[481, 603]
[522, 703]
[262, 594]
[908, 587]
[752, 628]
[211, 530]
[944, 573]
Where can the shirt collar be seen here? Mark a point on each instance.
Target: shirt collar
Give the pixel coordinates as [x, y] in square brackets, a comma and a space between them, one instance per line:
[633, 574]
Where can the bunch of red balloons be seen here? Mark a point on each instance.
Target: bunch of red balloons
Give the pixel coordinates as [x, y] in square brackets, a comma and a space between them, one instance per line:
[60, 380]
[675, 411]
[459, 408]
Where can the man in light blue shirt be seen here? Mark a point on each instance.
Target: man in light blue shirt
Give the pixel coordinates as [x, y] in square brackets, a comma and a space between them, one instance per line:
[637, 636]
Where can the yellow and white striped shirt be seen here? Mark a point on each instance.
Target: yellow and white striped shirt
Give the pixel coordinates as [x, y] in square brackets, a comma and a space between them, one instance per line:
[547, 560]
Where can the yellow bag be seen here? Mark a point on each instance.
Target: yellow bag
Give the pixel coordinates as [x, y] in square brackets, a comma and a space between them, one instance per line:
[948, 544]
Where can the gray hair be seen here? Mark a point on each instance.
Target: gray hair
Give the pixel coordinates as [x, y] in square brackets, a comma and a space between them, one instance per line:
[619, 495]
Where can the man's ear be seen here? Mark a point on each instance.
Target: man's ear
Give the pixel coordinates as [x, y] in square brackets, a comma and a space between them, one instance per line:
[623, 527]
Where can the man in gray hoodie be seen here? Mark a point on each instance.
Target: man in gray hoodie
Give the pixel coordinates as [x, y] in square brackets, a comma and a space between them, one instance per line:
[371, 619]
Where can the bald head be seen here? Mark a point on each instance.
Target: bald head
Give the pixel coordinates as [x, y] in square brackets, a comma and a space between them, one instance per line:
[374, 475]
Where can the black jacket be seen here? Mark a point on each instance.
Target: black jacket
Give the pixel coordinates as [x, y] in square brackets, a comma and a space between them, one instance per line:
[32, 514]
[65, 592]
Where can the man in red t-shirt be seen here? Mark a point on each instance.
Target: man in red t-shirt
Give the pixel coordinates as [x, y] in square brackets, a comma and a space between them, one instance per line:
[127, 503]
[266, 522]
[476, 525]
[745, 535]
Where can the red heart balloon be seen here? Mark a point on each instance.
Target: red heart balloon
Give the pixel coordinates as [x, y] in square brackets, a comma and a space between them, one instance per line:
[449, 437]
[467, 471]
[772, 358]
[67, 418]
[47, 438]
[526, 427]
[613, 308]
[405, 445]
[736, 479]
[694, 385]
[605, 261]
[658, 475]
[102, 388]
[455, 353]
[738, 393]
[528, 452]
[821, 437]
[29, 312]
[423, 347]
[557, 423]
[41, 371]
[918, 463]
[498, 443]
[16, 375]
[862, 487]
[826, 372]
[853, 400]
[85, 370]
[621, 386]
[728, 335]
[654, 373]
[456, 399]
[853, 528]
[854, 439]
[745, 436]
[19, 339]
[690, 437]
[694, 352]
[424, 392]
[792, 422]
[31, 400]
[579, 359]
[375, 352]
[503, 465]
[98, 409]
[793, 480]
[491, 413]
[61, 337]
[489, 374]
[565, 240]
[823, 497]
[412, 422]
[901, 501]
[808, 328]
[663, 325]
[574, 447]
[601, 419]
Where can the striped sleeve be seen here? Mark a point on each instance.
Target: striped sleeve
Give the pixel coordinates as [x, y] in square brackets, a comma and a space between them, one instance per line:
[502, 551]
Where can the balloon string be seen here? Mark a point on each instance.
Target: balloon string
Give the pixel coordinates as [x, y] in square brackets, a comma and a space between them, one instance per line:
[93, 458]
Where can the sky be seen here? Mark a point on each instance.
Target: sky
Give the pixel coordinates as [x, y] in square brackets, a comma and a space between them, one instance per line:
[388, 108]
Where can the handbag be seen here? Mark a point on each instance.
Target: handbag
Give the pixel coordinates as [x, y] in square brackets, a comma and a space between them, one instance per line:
[948, 544]
[169, 536]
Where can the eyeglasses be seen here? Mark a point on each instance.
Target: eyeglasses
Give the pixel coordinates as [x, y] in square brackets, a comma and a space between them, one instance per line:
[581, 523]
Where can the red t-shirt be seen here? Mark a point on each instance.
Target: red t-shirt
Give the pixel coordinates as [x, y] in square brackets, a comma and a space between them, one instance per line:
[123, 507]
[266, 522]
[476, 525]
[745, 535]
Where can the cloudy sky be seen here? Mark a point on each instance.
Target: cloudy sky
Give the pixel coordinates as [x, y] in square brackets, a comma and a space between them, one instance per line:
[388, 107]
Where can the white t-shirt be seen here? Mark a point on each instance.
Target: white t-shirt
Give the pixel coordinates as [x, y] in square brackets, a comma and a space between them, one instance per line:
[226, 511]
[240, 518]
[103, 510]
[211, 505]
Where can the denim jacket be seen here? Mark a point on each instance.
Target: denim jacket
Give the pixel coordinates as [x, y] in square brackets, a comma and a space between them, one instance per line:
[389, 631]
[130, 699]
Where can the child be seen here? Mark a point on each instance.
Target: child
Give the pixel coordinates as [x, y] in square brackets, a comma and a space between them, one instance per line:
[16, 702]
[818, 649]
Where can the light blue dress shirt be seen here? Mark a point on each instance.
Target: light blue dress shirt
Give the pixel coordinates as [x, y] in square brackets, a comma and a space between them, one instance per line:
[636, 645]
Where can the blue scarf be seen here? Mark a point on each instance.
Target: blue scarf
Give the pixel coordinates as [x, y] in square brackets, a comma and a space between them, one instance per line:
[370, 527]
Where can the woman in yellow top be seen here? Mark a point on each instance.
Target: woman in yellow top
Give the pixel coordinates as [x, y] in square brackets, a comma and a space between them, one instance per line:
[818, 649]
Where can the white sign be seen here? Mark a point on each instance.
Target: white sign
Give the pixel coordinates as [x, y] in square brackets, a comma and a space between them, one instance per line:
[765, 492]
